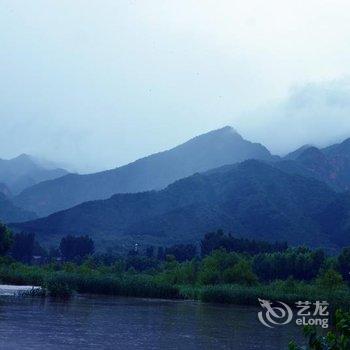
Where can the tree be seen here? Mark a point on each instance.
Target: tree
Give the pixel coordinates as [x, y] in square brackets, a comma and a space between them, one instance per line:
[300, 263]
[160, 253]
[212, 241]
[182, 252]
[344, 263]
[240, 273]
[213, 265]
[6, 239]
[76, 248]
[218, 240]
[23, 247]
[336, 339]
[150, 251]
[54, 252]
[330, 280]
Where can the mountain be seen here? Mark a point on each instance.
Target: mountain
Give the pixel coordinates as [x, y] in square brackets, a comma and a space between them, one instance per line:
[335, 220]
[331, 164]
[11, 213]
[251, 199]
[295, 154]
[24, 171]
[5, 190]
[204, 152]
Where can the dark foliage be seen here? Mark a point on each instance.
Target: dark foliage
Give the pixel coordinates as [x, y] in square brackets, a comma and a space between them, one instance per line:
[141, 263]
[336, 339]
[160, 253]
[76, 248]
[300, 263]
[150, 252]
[344, 263]
[23, 247]
[6, 239]
[217, 240]
[182, 252]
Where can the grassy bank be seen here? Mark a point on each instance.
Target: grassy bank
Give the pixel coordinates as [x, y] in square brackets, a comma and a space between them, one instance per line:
[62, 281]
[245, 295]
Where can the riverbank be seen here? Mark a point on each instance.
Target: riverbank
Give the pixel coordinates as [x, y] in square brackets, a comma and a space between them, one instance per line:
[102, 281]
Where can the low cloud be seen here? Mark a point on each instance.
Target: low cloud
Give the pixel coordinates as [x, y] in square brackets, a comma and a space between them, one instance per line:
[316, 113]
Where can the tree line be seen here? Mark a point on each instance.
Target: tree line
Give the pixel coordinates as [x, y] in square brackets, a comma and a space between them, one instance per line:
[222, 257]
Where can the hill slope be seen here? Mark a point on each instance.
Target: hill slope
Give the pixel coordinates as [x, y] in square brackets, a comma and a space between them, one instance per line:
[211, 150]
[251, 199]
[5, 190]
[11, 213]
[23, 171]
[331, 164]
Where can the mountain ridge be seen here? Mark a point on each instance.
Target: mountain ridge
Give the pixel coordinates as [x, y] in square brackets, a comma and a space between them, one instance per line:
[330, 164]
[252, 199]
[156, 171]
[24, 171]
[10, 213]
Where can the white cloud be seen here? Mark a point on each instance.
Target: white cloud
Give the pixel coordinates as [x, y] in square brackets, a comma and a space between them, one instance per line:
[316, 113]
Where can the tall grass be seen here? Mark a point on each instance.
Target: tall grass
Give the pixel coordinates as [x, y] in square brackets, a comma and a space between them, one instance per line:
[70, 278]
[18, 274]
[243, 295]
[62, 283]
[124, 285]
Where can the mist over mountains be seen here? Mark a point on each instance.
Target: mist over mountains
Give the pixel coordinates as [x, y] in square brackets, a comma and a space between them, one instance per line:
[216, 180]
[251, 199]
[330, 165]
[24, 171]
[204, 152]
[10, 213]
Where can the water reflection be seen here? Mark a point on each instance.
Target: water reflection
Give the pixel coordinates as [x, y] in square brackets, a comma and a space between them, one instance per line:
[91, 322]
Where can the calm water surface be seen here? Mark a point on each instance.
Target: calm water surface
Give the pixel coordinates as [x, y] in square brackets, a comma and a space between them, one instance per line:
[94, 322]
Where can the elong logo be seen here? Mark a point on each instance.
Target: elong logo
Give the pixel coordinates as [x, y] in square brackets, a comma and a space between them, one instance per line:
[274, 315]
[279, 313]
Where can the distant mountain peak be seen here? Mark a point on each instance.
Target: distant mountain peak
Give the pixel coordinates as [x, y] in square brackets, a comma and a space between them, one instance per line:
[284, 207]
[345, 144]
[23, 171]
[200, 154]
[227, 128]
[311, 150]
[313, 155]
[295, 154]
[225, 131]
[24, 156]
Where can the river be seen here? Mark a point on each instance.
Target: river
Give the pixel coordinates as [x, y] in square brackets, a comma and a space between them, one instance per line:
[96, 322]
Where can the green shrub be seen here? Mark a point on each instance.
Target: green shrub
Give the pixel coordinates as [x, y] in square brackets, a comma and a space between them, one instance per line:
[336, 339]
[330, 280]
[240, 273]
[58, 286]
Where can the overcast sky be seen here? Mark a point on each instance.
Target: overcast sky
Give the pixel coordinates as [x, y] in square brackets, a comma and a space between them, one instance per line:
[96, 84]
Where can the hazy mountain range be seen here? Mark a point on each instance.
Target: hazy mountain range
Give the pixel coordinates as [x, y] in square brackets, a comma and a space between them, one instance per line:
[211, 150]
[251, 199]
[330, 165]
[24, 171]
[10, 213]
[204, 184]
